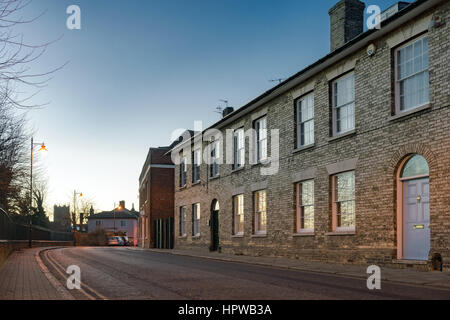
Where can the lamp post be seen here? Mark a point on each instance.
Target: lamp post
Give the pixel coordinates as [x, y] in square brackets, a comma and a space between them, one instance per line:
[75, 194]
[30, 231]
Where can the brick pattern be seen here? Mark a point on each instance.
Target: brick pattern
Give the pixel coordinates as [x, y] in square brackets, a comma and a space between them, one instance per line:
[380, 143]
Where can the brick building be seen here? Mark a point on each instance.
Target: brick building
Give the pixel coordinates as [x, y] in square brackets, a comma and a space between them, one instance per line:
[363, 156]
[156, 200]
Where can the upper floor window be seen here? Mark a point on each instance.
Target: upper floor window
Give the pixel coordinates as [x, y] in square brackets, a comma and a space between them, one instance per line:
[196, 160]
[344, 201]
[412, 76]
[214, 162]
[261, 139]
[305, 121]
[183, 172]
[260, 212]
[238, 215]
[343, 98]
[305, 206]
[239, 148]
[98, 223]
[182, 221]
[123, 223]
[196, 219]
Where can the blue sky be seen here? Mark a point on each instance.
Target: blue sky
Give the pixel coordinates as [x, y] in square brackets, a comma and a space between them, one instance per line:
[139, 69]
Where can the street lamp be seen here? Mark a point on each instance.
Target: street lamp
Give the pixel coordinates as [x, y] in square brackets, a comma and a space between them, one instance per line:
[75, 194]
[42, 149]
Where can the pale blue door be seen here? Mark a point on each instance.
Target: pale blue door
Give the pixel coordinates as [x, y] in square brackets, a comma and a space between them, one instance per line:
[416, 219]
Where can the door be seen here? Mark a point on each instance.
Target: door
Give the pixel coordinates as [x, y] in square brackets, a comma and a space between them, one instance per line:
[214, 230]
[416, 219]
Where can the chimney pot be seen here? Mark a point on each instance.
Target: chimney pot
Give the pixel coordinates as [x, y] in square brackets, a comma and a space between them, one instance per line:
[227, 111]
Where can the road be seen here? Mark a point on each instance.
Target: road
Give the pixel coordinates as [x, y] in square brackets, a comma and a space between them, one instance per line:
[124, 273]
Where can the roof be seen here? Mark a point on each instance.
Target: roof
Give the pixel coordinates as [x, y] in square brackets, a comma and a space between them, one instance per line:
[118, 214]
[406, 14]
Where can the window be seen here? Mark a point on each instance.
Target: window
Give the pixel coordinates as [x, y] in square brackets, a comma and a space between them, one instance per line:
[260, 213]
[196, 160]
[261, 139]
[344, 201]
[183, 172]
[343, 97]
[182, 221]
[417, 166]
[305, 206]
[239, 215]
[239, 148]
[196, 219]
[412, 77]
[123, 223]
[215, 156]
[98, 223]
[305, 121]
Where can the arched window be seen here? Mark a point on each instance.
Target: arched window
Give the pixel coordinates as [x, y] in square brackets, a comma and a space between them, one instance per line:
[415, 167]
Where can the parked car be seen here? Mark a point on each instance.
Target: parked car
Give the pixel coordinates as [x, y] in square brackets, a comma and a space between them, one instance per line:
[126, 241]
[115, 241]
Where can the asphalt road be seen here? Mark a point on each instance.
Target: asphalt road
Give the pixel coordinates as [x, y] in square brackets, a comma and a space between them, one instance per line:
[128, 274]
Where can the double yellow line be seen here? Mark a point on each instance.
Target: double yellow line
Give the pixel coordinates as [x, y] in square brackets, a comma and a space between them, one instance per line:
[62, 272]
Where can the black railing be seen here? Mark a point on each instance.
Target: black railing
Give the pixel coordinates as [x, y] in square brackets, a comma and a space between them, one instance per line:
[10, 230]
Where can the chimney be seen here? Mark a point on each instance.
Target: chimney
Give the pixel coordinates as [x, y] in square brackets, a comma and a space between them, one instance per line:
[227, 111]
[122, 204]
[346, 22]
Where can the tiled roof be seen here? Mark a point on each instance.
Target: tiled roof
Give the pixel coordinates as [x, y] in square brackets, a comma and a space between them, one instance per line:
[119, 214]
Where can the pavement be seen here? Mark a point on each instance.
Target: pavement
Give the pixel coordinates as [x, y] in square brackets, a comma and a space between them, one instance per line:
[133, 273]
[24, 277]
[399, 275]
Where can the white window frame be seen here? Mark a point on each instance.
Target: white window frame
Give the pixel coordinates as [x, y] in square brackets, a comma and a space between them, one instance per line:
[337, 205]
[424, 71]
[238, 148]
[260, 215]
[214, 170]
[349, 105]
[306, 101]
[196, 162]
[261, 139]
[183, 172]
[239, 218]
[183, 222]
[301, 207]
[196, 215]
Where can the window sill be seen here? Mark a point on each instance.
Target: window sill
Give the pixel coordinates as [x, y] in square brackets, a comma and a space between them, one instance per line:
[311, 146]
[259, 235]
[238, 170]
[183, 188]
[342, 135]
[410, 112]
[304, 234]
[196, 237]
[237, 236]
[214, 178]
[196, 183]
[182, 237]
[341, 233]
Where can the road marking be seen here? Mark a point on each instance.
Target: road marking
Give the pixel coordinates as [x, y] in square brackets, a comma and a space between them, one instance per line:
[57, 265]
[53, 281]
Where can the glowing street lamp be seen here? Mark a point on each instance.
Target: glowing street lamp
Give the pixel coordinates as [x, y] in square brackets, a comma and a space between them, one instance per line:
[42, 149]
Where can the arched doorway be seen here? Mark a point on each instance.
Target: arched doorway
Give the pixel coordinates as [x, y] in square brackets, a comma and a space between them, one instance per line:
[214, 225]
[413, 208]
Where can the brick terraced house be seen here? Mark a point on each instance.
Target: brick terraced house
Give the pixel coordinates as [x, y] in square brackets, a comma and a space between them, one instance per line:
[363, 155]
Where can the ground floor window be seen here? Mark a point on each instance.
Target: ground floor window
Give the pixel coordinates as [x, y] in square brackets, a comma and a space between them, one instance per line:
[239, 215]
[343, 195]
[260, 212]
[182, 221]
[196, 219]
[305, 206]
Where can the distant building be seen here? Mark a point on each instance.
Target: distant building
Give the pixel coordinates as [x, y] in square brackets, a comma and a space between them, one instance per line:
[118, 220]
[156, 200]
[61, 218]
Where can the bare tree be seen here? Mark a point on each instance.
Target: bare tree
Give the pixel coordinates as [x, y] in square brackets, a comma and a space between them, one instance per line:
[16, 56]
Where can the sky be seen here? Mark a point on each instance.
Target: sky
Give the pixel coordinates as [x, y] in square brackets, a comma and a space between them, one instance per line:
[140, 69]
